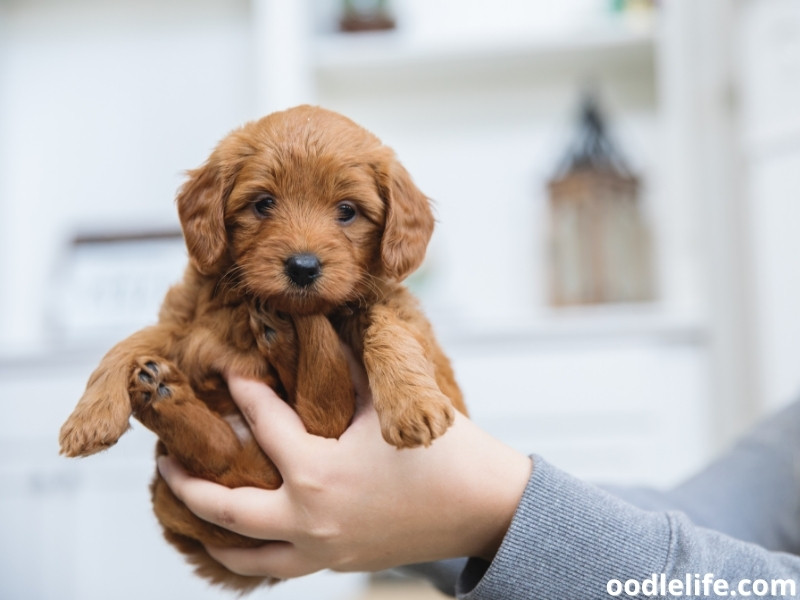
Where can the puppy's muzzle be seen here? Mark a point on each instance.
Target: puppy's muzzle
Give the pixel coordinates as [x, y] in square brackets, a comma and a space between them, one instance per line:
[302, 269]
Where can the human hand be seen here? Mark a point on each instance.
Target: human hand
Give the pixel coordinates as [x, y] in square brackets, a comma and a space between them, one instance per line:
[358, 503]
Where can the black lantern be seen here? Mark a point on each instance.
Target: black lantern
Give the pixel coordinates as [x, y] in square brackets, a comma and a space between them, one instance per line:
[599, 245]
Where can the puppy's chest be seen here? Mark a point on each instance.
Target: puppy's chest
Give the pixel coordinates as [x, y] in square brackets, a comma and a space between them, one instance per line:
[219, 339]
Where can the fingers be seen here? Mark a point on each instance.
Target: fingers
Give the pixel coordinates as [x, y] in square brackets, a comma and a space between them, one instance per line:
[276, 427]
[274, 559]
[253, 512]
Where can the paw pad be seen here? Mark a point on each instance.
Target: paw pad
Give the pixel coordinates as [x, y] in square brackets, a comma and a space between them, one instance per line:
[148, 381]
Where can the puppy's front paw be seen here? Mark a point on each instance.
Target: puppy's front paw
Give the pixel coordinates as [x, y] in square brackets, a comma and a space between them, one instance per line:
[419, 422]
[96, 424]
[102, 413]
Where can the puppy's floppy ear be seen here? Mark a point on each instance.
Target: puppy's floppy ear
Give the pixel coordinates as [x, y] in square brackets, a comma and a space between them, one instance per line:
[201, 200]
[201, 207]
[409, 220]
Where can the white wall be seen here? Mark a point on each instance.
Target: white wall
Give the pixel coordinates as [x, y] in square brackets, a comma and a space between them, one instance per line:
[104, 104]
[769, 59]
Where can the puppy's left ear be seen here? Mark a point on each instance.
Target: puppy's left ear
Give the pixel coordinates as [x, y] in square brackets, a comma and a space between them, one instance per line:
[409, 221]
[201, 207]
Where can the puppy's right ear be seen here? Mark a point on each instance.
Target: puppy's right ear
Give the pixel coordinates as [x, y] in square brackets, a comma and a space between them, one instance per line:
[201, 207]
[101, 416]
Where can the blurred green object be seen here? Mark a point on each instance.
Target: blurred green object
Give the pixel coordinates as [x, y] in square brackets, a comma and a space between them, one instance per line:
[621, 6]
[617, 5]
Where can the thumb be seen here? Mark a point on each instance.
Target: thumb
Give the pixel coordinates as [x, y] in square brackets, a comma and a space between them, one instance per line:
[276, 427]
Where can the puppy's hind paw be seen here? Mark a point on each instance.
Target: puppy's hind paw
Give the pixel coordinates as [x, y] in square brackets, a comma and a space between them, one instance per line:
[419, 424]
[152, 381]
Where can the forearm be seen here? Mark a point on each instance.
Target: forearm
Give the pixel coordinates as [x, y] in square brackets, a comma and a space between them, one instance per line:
[568, 539]
[560, 527]
[749, 493]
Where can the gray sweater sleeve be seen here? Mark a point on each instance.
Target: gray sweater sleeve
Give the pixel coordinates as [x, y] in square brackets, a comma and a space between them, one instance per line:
[735, 519]
[570, 539]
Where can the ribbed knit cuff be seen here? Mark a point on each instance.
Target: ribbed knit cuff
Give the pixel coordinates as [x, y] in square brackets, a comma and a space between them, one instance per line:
[567, 540]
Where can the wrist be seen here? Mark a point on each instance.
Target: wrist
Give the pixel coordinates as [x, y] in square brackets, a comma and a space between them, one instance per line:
[491, 479]
[512, 479]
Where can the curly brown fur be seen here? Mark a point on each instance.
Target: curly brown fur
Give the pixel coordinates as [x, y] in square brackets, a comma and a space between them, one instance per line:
[299, 228]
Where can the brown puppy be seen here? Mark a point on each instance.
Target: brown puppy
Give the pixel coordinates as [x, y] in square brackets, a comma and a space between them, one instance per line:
[305, 213]
[311, 213]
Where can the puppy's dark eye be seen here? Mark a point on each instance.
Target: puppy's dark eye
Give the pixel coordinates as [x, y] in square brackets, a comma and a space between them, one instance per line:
[263, 205]
[345, 212]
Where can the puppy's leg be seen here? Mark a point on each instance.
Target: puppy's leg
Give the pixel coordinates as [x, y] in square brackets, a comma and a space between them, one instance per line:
[325, 399]
[411, 408]
[103, 412]
[164, 402]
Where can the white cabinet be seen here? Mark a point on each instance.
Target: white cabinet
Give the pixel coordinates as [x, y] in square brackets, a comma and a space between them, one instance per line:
[605, 408]
[769, 70]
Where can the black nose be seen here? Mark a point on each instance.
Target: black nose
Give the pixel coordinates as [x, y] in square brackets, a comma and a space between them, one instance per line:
[302, 269]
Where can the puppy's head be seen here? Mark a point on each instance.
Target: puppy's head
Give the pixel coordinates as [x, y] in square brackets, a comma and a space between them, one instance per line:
[306, 209]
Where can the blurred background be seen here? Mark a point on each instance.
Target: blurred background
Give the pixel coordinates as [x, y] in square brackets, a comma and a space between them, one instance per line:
[616, 186]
